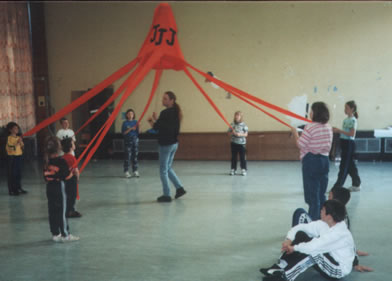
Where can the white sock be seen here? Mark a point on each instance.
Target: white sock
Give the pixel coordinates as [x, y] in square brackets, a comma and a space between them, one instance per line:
[282, 264]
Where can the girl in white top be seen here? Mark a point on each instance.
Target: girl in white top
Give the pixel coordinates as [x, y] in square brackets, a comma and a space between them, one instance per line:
[347, 144]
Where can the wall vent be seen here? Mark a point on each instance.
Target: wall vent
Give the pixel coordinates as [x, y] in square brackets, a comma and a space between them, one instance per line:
[364, 145]
[388, 145]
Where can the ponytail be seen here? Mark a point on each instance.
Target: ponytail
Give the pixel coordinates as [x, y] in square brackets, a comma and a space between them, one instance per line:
[173, 97]
[353, 106]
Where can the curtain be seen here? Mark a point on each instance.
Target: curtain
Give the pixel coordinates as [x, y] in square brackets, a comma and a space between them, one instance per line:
[16, 83]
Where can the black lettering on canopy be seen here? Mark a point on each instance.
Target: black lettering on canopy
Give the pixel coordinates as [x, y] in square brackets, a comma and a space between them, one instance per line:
[171, 42]
[162, 31]
[155, 27]
[158, 38]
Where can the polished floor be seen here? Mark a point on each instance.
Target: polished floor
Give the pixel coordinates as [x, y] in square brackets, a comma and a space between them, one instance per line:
[224, 229]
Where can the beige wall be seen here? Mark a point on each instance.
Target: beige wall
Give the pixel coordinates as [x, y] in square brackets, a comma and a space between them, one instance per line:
[280, 52]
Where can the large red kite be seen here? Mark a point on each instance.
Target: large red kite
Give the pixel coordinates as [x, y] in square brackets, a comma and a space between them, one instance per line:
[159, 51]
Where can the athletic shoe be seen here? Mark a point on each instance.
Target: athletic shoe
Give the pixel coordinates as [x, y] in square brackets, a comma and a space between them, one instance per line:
[56, 238]
[127, 174]
[180, 192]
[270, 270]
[70, 238]
[355, 188]
[164, 199]
[275, 278]
[22, 191]
[232, 172]
[74, 214]
[243, 172]
[136, 174]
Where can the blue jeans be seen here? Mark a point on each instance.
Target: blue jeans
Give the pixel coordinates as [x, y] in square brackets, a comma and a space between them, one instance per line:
[315, 169]
[300, 216]
[166, 156]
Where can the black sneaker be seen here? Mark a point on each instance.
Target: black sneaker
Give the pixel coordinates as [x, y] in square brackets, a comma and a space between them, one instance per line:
[277, 275]
[274, 278]
[74, 214]
[269, 271]
[164, 198]
[180, 192]
[16, 193]
[22, 191]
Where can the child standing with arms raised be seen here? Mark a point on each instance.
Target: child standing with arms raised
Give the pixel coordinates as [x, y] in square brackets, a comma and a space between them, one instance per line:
[347, 144]
[130, 131]
[55, 173]
[14, 148]
[238, 143]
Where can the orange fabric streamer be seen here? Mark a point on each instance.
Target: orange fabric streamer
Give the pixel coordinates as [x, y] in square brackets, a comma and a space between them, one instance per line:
[144, 69]
[107, 103]
[83, 99]
[207, 97]
[160, 50]
[158, 74]
[232, 89]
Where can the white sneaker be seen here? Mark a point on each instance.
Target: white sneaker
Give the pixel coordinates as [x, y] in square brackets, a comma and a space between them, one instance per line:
[136, 174]
[127, 174]
[70, 238]
[355, 188]
[56, 238]
[243, 172]
[232, 172]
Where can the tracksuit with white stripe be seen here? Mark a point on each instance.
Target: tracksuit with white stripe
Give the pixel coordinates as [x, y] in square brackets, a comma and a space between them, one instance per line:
[55, 174]
[330, 249]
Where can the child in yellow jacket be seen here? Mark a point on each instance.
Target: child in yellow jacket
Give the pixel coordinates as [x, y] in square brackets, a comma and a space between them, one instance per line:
[14, 148]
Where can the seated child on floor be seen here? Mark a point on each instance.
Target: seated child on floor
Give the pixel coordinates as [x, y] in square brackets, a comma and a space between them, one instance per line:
[343, 196]
[326, 244]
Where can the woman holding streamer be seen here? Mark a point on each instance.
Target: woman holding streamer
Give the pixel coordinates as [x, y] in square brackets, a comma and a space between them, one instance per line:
[168, 127]
[347, 144]
[314, 145]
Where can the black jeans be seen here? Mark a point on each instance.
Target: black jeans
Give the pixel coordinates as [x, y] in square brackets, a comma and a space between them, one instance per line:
[55, 192]
[241, 150]
[14, 173]
[347, 164]
[71, 187]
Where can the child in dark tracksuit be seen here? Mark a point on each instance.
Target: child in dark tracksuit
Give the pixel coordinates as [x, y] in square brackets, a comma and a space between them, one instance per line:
[71, 185]
[326, 245]
[55, 173]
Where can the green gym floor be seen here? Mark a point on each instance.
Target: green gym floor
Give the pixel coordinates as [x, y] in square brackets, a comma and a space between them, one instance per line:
[224, 229]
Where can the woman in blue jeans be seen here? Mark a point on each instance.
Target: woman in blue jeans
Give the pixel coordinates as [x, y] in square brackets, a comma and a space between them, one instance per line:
[314, 145]
[168, 127]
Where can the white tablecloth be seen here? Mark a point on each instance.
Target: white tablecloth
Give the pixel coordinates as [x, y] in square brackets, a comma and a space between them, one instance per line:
[383, 133]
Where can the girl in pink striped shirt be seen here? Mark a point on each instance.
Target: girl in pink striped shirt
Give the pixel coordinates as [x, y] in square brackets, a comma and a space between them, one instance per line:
[314, 145]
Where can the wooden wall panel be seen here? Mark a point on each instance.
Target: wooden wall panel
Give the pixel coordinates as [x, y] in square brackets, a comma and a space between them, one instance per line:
[216, 146]
[40, 68]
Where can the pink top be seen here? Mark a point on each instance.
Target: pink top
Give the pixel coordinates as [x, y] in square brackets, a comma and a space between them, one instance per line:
[316, 139]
